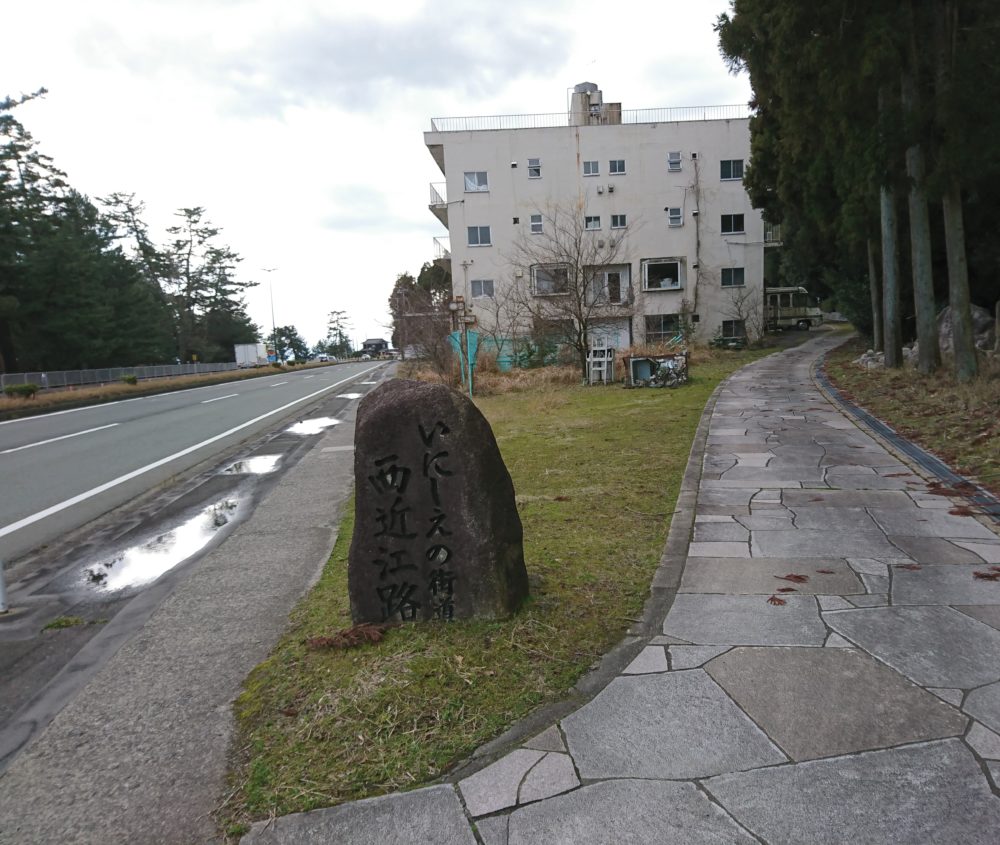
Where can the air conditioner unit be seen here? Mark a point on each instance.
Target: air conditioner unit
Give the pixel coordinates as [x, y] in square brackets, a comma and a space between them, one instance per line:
[600, 189]
[600, 244]
[611, 189]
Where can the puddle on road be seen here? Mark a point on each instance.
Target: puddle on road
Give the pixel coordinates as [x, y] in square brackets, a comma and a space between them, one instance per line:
[349, 395]
[142, 564]
[257, 465]
[315, 426]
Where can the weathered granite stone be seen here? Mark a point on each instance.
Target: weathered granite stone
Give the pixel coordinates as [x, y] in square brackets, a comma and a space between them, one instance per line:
[934, 792]
[424, 815]
[436, 532]
[629, 812]
[984, 704]
[821, 702]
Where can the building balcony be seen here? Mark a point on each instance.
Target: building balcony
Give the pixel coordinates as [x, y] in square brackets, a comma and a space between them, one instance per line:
[439, 202]
[772, 234]
[442, 253]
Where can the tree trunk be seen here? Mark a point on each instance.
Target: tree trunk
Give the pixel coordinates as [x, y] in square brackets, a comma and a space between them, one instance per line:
[876, 294]
[929, 351]
[892, 333]
[963, 341]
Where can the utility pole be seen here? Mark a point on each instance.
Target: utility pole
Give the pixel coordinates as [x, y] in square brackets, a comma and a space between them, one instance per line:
[274, 328]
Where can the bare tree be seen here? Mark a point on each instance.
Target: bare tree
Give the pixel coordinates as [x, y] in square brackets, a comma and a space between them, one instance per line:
[747, 305]
[575, 283]
[503, 318]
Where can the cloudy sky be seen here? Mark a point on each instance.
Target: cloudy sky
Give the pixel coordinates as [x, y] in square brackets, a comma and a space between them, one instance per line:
[298, 125]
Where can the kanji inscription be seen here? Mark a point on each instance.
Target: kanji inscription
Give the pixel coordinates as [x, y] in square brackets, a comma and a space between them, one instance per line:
[436, 533]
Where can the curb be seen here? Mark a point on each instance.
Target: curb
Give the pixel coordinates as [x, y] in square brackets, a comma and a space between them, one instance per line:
[905, 449]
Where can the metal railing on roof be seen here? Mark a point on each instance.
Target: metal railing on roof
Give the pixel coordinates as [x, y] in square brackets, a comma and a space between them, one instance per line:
[678, 114]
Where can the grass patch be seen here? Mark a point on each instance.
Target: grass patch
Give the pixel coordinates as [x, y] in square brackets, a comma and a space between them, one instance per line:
[65, 622]
[597, 471]
[960, 423]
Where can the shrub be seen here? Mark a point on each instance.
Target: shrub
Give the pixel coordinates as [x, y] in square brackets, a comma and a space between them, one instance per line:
[21, 391]
[130, 378]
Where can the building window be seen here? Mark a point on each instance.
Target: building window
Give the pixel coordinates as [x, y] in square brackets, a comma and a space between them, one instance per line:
[675, 217]
[732, 277]
[732, 224]
[479, 236]
[609, 285]
[536, 224]
[733, 328]
[591, 222]
[591, 168]
[662, 328]
[549, 279]
[674, 161]
[616, 167]
[534, 168]
[481, 287]
[618, 221]
[476, 181]
[661, 274]
[731, 168]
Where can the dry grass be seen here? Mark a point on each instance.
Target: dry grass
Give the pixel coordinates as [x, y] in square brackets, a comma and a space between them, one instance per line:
[960, 423]
[74, 397]
[596, 470]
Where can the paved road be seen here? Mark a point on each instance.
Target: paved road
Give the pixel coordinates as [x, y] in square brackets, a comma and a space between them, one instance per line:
[59, 471]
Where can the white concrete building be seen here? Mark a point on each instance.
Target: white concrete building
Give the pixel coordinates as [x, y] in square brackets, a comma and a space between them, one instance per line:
[668, 180]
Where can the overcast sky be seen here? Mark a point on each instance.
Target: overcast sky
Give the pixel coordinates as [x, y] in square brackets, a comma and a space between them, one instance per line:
[298, 125]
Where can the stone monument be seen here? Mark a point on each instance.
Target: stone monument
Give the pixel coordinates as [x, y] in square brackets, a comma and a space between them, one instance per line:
[436, 531]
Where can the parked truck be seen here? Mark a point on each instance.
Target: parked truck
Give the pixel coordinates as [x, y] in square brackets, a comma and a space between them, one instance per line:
[251, 354]
[791, 307]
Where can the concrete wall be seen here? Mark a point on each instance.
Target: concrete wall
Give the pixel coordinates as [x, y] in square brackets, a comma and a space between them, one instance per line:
[641, 193]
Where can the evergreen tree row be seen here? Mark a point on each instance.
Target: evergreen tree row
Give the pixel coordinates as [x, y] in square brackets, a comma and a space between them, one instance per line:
[874, 145]
[83, 285]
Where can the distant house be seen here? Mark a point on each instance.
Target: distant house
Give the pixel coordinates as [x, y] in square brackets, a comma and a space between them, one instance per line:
[374, 346]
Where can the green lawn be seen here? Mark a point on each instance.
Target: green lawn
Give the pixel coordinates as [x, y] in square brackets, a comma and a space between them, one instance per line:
[597, 471]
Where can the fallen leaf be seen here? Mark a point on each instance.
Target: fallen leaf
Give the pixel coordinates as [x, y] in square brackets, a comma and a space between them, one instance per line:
[349, 637]
[794, 578]
[787, 590]
[987, 576]
[825, 571]
[912, 567]
[897, 475]
[289, 711]
[816, 499]
[961, 510]
[562, 498]
[995, 568]
[776, 600]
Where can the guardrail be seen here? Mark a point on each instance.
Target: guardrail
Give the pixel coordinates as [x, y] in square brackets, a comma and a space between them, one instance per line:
[109, 375]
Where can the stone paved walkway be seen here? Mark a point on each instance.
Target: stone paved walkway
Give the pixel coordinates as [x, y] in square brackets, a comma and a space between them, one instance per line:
[828, 672]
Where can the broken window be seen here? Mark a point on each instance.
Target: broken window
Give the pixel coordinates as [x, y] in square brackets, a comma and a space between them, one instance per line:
[662, 328]
[549, 279]
[609, 285]
[661, 274]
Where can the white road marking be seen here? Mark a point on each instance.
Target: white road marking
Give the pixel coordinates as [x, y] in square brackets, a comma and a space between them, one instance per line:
[305, 377]
[108, 485]
[277, 383]
[217, 398]
[54, 439]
